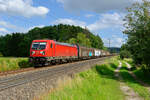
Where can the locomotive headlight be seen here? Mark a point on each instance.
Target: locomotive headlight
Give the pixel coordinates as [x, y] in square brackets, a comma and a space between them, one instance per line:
[42, 52]
[33, 52]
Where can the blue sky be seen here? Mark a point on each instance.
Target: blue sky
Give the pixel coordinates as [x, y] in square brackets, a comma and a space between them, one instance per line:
[102, 17]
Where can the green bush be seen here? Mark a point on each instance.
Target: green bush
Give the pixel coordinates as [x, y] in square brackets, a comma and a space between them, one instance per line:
[24, 64]
[137, 29]
[125, 54]
[1, 55]
[10, 63]
[145, 69]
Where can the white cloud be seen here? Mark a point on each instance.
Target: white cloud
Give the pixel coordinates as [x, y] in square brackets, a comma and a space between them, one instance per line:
[114, 42]
[22, 8]
[70, 22]
[6, 24]
[3, 30]
[89, 15]
[117, 42]
[107, 21]
[98, 6]
[30, 28]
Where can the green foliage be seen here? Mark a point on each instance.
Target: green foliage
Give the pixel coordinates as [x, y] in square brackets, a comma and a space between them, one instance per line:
[124, 47]
[96, 41]
[14, 44]
[98, 83]
[131, 82]
[1, 55]
[81, 39]
[18, 44]
[105, 48]
[73, 41]
[142, 75]
[134, 84]
[125, 54]
[138, 31]
[13, 63]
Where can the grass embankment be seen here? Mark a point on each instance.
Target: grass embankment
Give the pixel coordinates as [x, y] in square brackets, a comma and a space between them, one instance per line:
[142, 76]
[139, 72]
[131, 82]
[8, 63]
[98, 83]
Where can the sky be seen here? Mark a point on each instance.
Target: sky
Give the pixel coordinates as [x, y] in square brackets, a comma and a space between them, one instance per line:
[101, 17]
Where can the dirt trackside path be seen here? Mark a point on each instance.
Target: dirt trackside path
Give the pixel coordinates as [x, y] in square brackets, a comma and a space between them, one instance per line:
[130, 94]
[137, 79]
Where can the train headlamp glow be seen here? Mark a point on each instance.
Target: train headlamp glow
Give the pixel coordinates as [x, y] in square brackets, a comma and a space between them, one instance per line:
[42, 52]
[33, 52]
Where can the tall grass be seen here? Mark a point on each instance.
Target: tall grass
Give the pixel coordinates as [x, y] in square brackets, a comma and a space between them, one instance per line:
[142, 75]
[8, 63]
[99, 83]
[131, 82]
[139, 71]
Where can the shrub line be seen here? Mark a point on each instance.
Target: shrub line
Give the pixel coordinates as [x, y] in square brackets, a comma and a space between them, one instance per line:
[136, 78]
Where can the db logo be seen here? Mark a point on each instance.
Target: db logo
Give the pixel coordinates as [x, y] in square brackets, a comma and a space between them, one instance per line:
[37, 52]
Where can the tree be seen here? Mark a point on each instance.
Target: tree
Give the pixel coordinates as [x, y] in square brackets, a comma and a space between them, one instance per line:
[1, 55]
[124, 52]
[138, 32]
[18, 44]
[81, 40]
[73, 41]
[96, 41]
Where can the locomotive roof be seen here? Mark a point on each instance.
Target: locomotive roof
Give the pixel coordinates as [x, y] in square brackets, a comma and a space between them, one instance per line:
[60, 43]
[41, 40]
[65, 44]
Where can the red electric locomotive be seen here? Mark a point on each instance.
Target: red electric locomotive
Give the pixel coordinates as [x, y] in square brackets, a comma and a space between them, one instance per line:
[49, 51]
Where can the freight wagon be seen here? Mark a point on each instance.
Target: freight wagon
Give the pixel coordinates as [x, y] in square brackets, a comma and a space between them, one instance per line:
[85, 53]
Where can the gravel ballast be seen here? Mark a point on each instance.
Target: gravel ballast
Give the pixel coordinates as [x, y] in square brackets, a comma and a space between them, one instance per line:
[37, 87]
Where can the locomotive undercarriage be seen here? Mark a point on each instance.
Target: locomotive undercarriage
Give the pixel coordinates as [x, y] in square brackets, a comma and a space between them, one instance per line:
[42, 61]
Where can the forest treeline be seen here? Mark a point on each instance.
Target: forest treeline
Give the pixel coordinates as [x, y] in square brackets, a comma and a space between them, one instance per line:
[137, 23]
[18, 44]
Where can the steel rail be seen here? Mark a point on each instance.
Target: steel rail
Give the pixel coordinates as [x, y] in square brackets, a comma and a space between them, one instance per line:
[50, 73]
[41, 71]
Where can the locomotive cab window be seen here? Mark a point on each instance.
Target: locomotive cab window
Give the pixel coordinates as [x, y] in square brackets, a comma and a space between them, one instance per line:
[38, 45]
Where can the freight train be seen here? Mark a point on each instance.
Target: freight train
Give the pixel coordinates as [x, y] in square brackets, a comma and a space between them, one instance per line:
[44, 52]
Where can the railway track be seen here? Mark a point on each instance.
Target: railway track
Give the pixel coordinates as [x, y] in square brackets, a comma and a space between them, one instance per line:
[52, 73]
[16, 71]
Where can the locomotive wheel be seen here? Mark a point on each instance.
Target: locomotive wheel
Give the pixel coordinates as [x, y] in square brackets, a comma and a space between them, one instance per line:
[36, 65]
[43, 64]
[53, 62]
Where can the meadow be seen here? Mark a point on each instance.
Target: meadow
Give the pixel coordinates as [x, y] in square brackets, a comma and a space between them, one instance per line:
[11, 63]
[98, 83]
[131, 82]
